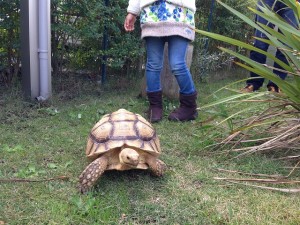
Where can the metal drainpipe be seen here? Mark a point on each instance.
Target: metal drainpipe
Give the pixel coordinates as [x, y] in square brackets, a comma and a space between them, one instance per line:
[43, 49]
[104, 48]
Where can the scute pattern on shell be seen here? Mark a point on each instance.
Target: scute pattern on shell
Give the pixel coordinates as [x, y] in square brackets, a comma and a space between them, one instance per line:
[122, 128]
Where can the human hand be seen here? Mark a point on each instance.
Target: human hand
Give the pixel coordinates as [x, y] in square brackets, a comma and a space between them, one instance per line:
[129, 22]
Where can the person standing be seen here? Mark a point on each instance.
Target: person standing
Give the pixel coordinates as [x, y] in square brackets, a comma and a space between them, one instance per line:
[287, 14]
[164, 21]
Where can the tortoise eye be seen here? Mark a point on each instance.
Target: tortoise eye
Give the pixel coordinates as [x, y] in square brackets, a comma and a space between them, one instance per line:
[128, 157]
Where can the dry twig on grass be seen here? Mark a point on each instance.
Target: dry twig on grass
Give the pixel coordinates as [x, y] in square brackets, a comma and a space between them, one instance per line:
[269, 181]
[285, 190]
[251, 174]
[11, 180]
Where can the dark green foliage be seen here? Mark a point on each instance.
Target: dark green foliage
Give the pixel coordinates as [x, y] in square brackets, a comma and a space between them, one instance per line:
[9, 40]
[226, 23]
[222, 21]
[218, 20]
[77, 36]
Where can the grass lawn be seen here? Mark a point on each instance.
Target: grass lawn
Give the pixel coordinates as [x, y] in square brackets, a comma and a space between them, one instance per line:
[47, 141]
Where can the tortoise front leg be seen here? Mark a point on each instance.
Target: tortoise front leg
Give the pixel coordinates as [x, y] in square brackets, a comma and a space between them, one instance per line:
[91, 173]
[157, 166]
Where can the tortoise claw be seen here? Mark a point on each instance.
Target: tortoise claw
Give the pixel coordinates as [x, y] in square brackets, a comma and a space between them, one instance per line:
[157, 167]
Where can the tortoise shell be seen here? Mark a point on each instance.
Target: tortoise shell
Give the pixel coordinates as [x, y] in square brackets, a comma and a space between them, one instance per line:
[122, 129]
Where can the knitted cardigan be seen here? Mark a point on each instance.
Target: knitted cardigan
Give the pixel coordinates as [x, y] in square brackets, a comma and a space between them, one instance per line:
[164, 28]
[135, 6]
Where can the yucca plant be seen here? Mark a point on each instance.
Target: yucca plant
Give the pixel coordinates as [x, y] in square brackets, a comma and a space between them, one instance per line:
[288, 42]
[277, 127]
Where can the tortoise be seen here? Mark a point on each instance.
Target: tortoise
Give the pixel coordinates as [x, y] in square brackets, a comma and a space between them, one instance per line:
[121, 140]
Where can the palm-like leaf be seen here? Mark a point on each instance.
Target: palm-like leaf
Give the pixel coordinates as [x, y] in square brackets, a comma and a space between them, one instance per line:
[279, 124]
[287, 41]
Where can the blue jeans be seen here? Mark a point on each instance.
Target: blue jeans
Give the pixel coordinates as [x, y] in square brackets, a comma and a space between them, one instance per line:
[177, 47]
[287, 14]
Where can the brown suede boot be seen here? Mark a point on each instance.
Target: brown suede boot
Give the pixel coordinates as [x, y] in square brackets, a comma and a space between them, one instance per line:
[155, 110]
[187, 109]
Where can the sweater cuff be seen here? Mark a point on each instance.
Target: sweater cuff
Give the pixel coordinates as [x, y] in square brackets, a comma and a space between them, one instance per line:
[134, 12]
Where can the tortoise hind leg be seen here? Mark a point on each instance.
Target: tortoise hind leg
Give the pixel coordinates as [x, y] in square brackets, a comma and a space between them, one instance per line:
[91, 174]
[157, 166]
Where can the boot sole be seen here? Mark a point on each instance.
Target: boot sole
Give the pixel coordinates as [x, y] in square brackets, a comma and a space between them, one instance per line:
[193, 117]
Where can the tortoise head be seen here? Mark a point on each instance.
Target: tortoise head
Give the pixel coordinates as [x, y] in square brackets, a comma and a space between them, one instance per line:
[129, 157]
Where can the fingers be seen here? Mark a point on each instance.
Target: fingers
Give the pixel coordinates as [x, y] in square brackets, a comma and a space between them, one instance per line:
[129, 22]
[128, 25]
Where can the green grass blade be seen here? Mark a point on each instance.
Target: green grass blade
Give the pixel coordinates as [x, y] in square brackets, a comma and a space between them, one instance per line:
[235, 114]
[275, 19]
[241, 44]
[286, 87]
[233, 97]
[284, 37]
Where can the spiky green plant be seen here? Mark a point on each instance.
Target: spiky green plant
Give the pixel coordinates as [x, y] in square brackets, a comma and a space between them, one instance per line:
[288, 41]
[277, 125]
